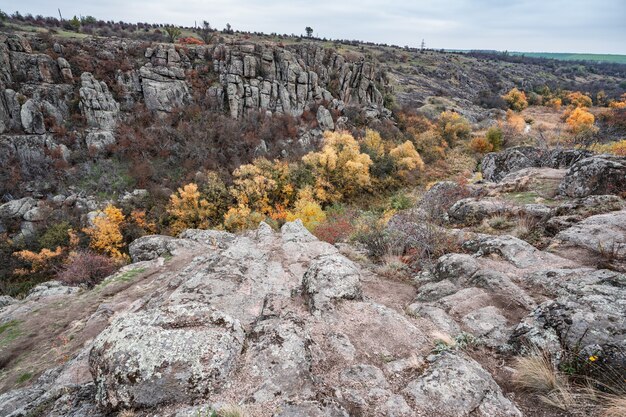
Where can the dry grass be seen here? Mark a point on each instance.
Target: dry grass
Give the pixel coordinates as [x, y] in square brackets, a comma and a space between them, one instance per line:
[537, 374]
[525, 225]
[126, 413]
[392, 267]
[232, 411]
[615, 407]
[499, 222]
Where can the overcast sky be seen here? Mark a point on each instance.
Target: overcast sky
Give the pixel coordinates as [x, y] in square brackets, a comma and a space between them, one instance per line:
[597, 26]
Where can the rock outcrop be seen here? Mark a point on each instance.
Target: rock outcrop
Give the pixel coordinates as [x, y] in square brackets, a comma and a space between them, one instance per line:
[598, 174]
[275, 320]
[497, 165]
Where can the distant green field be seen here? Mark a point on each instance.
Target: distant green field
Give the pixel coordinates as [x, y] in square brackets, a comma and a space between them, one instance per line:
[620, 59]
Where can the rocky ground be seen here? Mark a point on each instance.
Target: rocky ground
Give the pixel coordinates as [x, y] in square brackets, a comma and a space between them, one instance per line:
[282, 324]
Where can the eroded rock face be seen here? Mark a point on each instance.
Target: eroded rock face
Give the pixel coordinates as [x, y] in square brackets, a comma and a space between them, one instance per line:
[163, 80]
[97, 104]
[173, 354]
[287, 80]
[599, 174]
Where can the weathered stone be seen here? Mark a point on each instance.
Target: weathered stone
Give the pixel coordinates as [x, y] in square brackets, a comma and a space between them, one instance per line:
[6, 300]
[489, 325]
[99, 139]
[473, 210]
[164, 88]
[325, 119]
[587, 317]
[330, 278]
[433, 291]
[15, 209]
[97, 104]
[214, 238]
[174, 354]
[151, 247]
[599, 174]
[50, 289]
[495, 166]
[32, 118]
[599, 236]
[455, 385]
[280, 369]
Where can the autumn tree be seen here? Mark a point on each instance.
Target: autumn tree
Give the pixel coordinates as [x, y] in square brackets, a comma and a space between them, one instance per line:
[580, 121]
[452, 127]
[188, 210]
[242, 218]
[340, 169]
[307, 210]
[480, 145]
[407, 159]
[516, 99]
[578, 99]
[106, 233]
[38, 261]
[555, 103]
[264, 186]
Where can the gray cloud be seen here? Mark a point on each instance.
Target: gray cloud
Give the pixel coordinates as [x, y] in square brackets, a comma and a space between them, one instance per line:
[595, 26]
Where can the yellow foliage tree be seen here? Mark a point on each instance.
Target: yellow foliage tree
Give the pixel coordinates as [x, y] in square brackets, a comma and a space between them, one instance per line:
[263, 186]
[307, 210]
[374, 143]
[578, 99]
[340, 169]
[452, 127]
[138, 217]
[106, 232]
[406, 158]
[516, 99]
[242, 218]
[188, 210]
[580, 120]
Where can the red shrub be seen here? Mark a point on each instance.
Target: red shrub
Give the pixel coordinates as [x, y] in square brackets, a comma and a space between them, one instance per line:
[86, 267]
[335, 229]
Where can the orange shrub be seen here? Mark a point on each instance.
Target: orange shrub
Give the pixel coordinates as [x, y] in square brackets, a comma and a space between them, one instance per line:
[190, 40]
[580, 120]
[106, 233]
[578, 99]
[516, 99]
[480, 145]
[39, 261]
